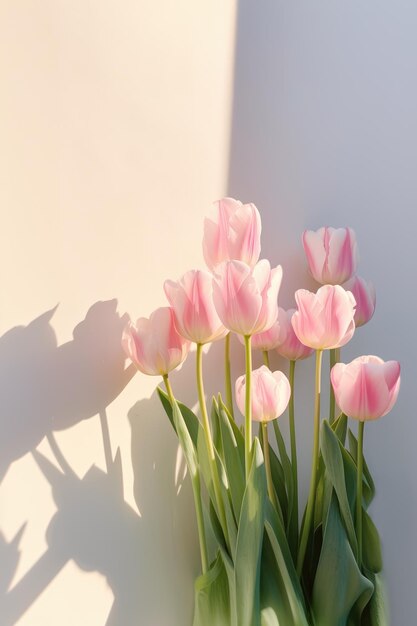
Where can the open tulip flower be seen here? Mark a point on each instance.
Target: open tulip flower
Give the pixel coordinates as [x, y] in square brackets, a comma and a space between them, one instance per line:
[366, 388]
[259, 565]
[154, 345]
[364, 294]
[246, 299]
[331, 254]
[325, 319]
[191, 298]
[232, 234]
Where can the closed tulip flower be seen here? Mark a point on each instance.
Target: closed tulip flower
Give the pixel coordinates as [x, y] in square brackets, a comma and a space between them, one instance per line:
[364, 294]
[289, 346]
[270, 394]
[154, 345]
[324, 320]
[268, 339]
[191, 298]
[233, 233]
[331, 254]
[367, 388]
[246, 298]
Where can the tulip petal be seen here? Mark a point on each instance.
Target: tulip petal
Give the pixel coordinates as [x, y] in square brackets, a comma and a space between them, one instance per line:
[366, 388]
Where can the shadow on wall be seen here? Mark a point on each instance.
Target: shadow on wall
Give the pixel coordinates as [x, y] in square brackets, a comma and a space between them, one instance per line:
[163, 492]
[93, 525]
[63, 385]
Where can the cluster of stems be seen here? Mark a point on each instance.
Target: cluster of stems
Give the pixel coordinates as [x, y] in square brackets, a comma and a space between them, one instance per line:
[309, 514]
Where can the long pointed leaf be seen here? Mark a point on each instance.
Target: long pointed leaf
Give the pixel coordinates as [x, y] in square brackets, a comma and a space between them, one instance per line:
[249, 542]
[232, 461]
[339, 583]
[333, 460]
[190, 419]
[212, 596]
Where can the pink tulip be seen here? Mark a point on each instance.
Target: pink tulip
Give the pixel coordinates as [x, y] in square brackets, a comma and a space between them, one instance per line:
[270, 394]
[234, 233]
[367, 388]
[246, 298]
[324, 320]
[268, 339]
[331, 254]
[364, 294]
[289, 346]
[191, 298]
[154, 345]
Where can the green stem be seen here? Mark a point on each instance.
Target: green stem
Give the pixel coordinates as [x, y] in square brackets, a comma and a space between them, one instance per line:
[293, 441]
[269, 482]
[202, 401]
[228, 375]
[361, 427]
[314, 467]
[195, 481]
[266, 358]
[209, 441]
[332, 399]
[248, 405]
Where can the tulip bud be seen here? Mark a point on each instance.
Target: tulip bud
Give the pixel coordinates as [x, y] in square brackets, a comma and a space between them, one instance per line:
[191, 298]
[270, 394]
[364, 294]
[154, 345]
[324, 320]
[289, 346]
[266, 340]
[233, 233]
[367, 387]
[245, 298]
[331, 254]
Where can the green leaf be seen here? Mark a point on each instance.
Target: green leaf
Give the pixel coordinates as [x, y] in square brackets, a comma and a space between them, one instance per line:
[371, 550]
[286, 466]
[249, 542]
[281, 595]
[350, 478]
[190, 419]
[338, 584]
[216, 527]
[339, 427]
[212, 596]
[376, 612]
[368, 482]
[333, 460]
[269, 617]
[204, 462]
[205, 468]
[273, 520]
[185, 440]
[215, 421]
[279, 483]
[233, 462]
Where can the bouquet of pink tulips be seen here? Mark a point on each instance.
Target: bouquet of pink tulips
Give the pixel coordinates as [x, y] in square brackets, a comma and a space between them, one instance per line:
[268, 565]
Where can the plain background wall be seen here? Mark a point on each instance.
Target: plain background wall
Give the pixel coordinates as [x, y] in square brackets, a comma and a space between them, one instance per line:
[117, 125]
[115, 131]
[325, 133]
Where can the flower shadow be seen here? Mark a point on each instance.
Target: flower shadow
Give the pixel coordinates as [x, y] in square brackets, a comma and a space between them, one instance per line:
[93, 525]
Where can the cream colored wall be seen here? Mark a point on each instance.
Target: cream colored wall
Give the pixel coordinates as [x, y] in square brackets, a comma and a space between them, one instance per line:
[114, 126]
